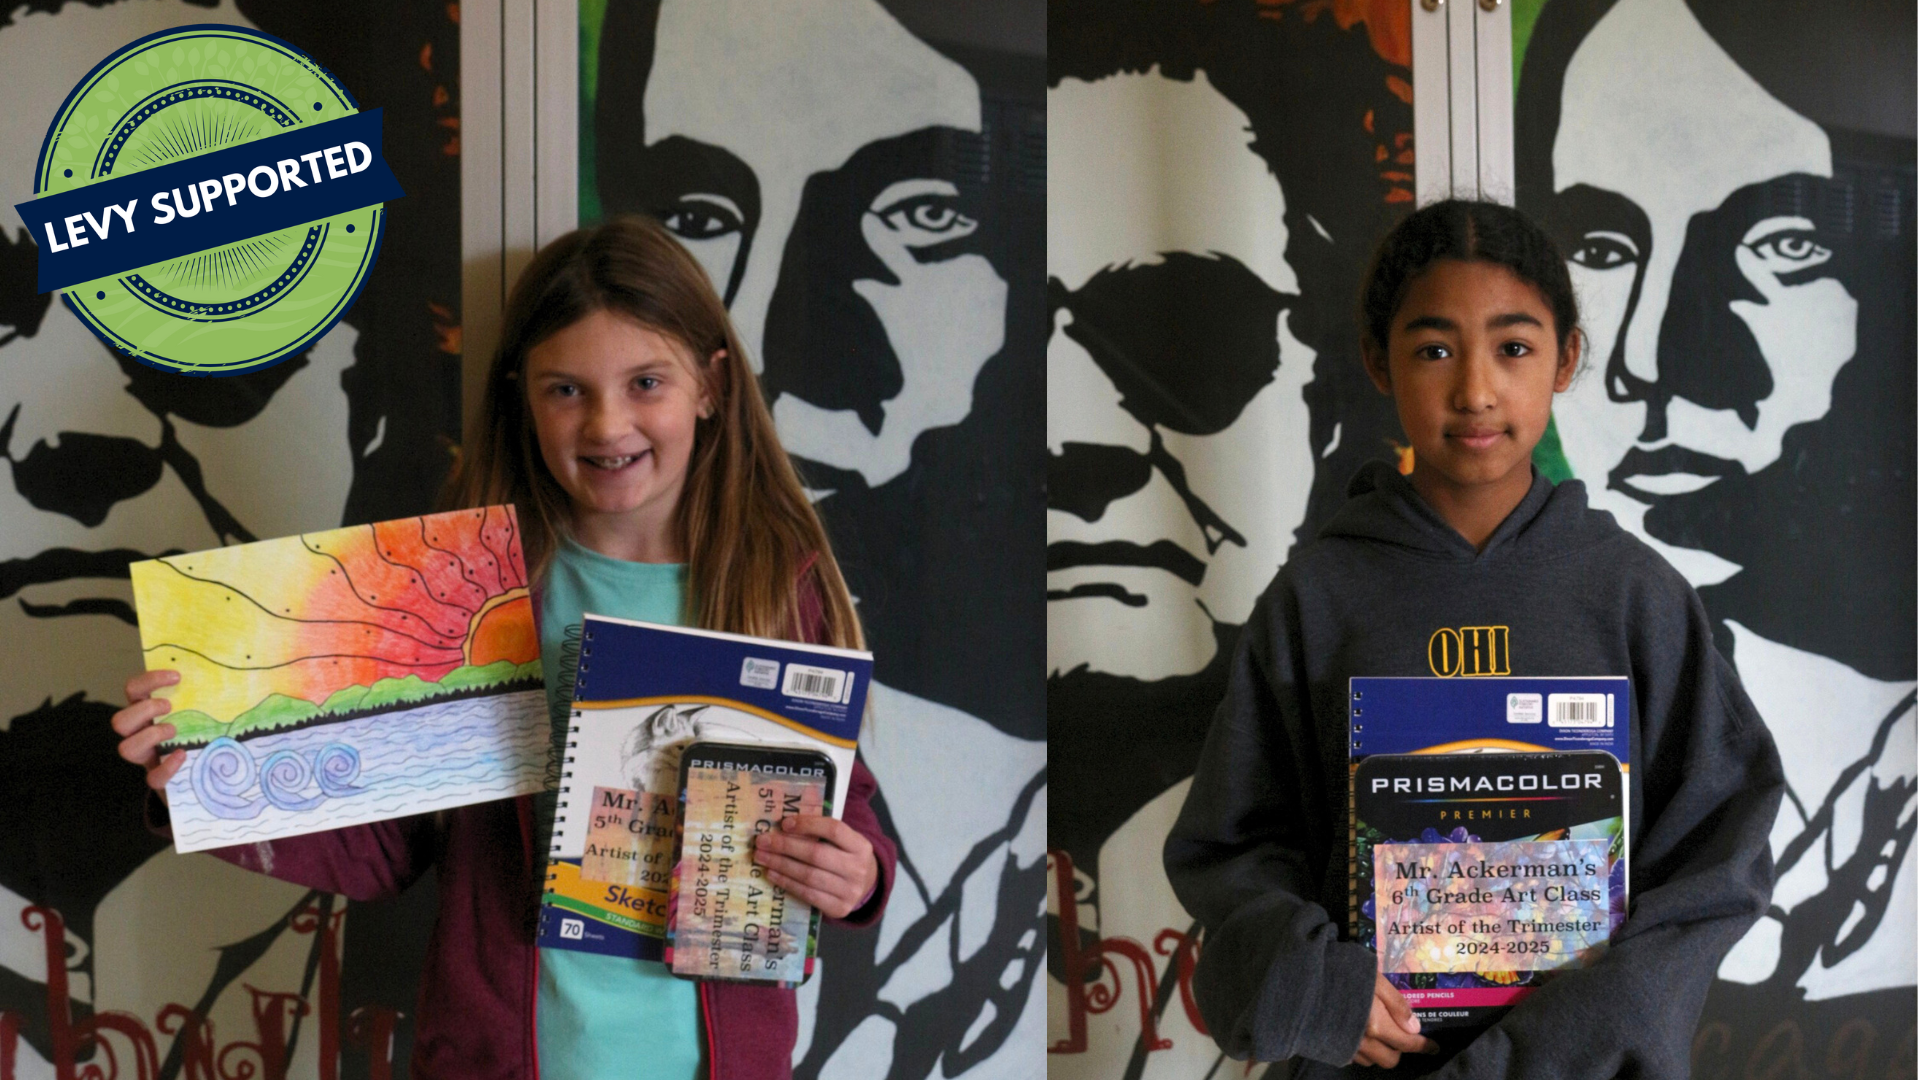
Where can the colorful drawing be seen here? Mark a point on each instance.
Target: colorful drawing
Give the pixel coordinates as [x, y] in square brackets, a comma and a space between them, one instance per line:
[346, 676]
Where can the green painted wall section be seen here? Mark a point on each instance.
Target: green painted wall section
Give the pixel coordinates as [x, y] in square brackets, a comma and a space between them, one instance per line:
[1525, 14]
[593, 13]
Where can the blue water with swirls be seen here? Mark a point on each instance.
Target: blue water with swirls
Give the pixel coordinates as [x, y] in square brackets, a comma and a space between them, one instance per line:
[445, 754]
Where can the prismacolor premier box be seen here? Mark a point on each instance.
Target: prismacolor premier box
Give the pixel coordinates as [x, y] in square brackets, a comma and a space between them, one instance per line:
[1489, 834]
[727, 920]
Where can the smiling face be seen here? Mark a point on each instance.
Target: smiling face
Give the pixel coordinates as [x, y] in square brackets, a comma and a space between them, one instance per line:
[1176, 422]
[1717, 320]
[614, 407]
[784, 153]
[108, 461]
[1472, 364]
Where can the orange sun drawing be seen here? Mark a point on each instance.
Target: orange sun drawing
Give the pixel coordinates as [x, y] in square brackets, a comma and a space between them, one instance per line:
[306, 618]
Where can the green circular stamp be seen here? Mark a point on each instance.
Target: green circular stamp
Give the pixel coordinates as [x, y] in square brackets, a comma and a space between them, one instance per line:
[192, 136]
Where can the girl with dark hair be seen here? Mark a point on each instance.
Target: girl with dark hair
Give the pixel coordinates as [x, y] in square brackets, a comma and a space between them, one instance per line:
[1469, 324]
[623, 422]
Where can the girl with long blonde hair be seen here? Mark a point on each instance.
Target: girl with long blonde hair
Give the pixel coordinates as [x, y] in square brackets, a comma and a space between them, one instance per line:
[622, 420]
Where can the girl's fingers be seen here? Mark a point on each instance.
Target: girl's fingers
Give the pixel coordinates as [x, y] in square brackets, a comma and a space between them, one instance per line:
[1389, 995]
[139, 747]
[804, 894]
[828, 830]
[1383, 1054]
[139, 714]
[1389, 1032]
[812, 853]
[142, 686]
[140, 731]
[158, 776]
[832, 903]
[819, 860]
[807, 874]
[832, 893]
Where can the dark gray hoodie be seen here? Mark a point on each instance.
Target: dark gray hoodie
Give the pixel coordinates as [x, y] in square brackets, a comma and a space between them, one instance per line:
[1259, 854]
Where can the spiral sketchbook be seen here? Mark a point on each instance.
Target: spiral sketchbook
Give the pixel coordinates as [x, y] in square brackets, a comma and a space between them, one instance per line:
[642, 693]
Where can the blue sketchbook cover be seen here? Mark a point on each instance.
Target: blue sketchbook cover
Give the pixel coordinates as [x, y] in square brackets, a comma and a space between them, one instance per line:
[641, 694]
[1489, 833]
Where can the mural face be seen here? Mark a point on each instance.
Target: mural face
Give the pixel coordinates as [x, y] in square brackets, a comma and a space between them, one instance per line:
[1180, 441]
[1720, 324]
[1217, 174]
[736, 131]
[1745, 275]
[111, 461]
[840, 180]
[1178, 433]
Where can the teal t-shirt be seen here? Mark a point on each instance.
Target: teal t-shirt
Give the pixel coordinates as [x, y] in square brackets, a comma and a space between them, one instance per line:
[604, 1016]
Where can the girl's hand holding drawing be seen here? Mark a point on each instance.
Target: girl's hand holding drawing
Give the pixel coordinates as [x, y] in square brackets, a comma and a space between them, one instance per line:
[820, 860]
[140, 731]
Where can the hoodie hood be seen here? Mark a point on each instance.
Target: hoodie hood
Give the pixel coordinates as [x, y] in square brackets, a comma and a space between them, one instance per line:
[1552, 521]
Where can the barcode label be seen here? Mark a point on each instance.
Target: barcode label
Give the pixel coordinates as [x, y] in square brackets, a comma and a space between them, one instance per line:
[818, 684]
[1580, 710]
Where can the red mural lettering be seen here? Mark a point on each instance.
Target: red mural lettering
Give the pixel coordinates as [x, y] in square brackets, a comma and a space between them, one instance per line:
[9, 1044]
[1076, 961]
[1902, 1065]
[327, 925]
[1851, 1048]
[69, 1038]
[1717, 1036]
[1102, 998]
[372, 1026]
[194, 1037]
[1185, 950]
[271, 1009]
[1779, 1055]
[201, 1057]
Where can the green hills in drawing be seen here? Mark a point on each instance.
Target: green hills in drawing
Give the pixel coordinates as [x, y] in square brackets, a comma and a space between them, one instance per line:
[278, 712]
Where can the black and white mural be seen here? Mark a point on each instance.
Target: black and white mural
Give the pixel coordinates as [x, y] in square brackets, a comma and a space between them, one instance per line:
[1217, 176]
[865, 184]
[115, 953]
[1733, 184]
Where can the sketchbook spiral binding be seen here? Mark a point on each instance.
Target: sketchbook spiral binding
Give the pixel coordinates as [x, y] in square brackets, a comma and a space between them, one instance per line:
[574, 651]
[546, 812]
[560, 762]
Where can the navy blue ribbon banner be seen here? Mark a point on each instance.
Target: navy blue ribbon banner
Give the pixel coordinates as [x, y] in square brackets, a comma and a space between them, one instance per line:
[187, 206]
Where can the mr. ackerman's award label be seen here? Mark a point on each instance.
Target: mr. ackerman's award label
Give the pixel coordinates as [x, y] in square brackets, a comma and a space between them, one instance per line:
[1486, 907]
[629, 838]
